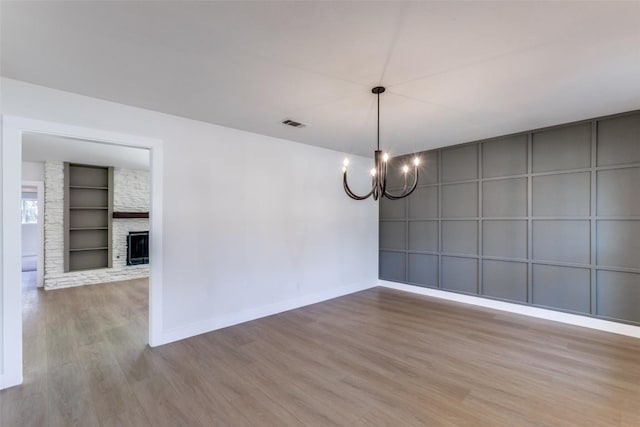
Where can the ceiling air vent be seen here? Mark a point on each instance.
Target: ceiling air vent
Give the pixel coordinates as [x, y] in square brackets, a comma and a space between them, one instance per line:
[293, 123]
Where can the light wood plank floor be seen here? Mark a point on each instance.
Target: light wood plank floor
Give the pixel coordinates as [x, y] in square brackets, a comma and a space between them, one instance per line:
[378, 357]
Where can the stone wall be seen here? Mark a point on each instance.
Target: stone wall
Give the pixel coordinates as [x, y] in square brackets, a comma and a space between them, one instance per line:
[130, 193]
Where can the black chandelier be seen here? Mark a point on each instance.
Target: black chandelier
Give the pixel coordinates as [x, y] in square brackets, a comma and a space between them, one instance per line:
[379, 172]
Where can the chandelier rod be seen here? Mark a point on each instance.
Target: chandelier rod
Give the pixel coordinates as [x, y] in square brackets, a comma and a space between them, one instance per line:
[378, 120]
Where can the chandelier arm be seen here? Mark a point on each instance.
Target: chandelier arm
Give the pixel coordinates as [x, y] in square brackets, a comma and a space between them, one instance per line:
[404, 194]
[351, 193]
[404, 183]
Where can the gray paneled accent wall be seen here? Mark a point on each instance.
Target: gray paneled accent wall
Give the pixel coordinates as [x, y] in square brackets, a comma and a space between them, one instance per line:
[549, 218]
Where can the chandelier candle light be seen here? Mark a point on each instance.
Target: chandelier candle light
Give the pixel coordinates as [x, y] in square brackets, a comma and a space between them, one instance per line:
[379, 172]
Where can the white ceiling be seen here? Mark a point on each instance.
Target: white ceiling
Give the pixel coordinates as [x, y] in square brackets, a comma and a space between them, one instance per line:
[38, 147]
[455, 71]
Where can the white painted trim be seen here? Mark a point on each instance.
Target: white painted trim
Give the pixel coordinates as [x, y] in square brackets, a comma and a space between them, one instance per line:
[214, 323]
[11, 155]
[11, 254]
[541, 313]
[40, 255]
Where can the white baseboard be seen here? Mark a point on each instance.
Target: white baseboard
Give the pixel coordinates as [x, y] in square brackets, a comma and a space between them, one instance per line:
[541, 313]
[211, 324]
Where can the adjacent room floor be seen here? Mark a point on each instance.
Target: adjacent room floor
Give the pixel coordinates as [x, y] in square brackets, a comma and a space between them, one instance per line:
[378, 357]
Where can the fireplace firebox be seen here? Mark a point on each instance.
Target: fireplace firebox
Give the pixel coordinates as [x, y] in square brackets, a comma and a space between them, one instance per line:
[138, 248]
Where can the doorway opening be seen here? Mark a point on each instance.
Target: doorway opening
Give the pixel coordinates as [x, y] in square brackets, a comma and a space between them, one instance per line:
[54, 146]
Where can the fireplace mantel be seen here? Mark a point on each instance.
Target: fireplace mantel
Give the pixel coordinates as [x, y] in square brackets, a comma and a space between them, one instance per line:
[131, 214]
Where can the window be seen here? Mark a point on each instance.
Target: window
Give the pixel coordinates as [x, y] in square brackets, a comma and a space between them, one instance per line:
[29, 211]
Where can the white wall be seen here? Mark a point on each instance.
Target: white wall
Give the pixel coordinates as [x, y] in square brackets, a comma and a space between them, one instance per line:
[30, 239]
[251, 223]
[33, 171]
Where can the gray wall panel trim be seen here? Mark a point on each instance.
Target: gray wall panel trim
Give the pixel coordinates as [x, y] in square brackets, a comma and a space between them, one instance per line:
[499, 178]
[480, 210]
[618, 218]
[529, 219]
[440, 219]
[561, 218]
[593, 212]
[459, 255]
[621, 269]
[499, 258]
[620, 166]
[592, 244]
[561, 264]
[561, 172]
[464, 181]
[423, 252]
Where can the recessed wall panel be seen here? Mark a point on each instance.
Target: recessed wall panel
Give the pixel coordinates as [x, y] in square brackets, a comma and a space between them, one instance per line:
[423, 270]
[566, 288]
[392, 266]
[562, 148]
[502, 238]
[618, 243]
[460, 237]
[423, 203]
[392, 209]
[392, 235]
[428, 169]
[504, 198]
[506, 280]
[460, 200]
[619, 192]
[505, 156]
[460, 274]
[619, 295]
[423, 236]
[460, 163]
[619, 140]
[567, 194]
[563, 241]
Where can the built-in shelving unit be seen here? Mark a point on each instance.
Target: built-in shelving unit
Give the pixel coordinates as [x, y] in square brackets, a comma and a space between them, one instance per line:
[88, 202]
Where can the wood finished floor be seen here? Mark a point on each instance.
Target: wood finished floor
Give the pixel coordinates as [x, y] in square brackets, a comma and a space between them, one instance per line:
[378, 357]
